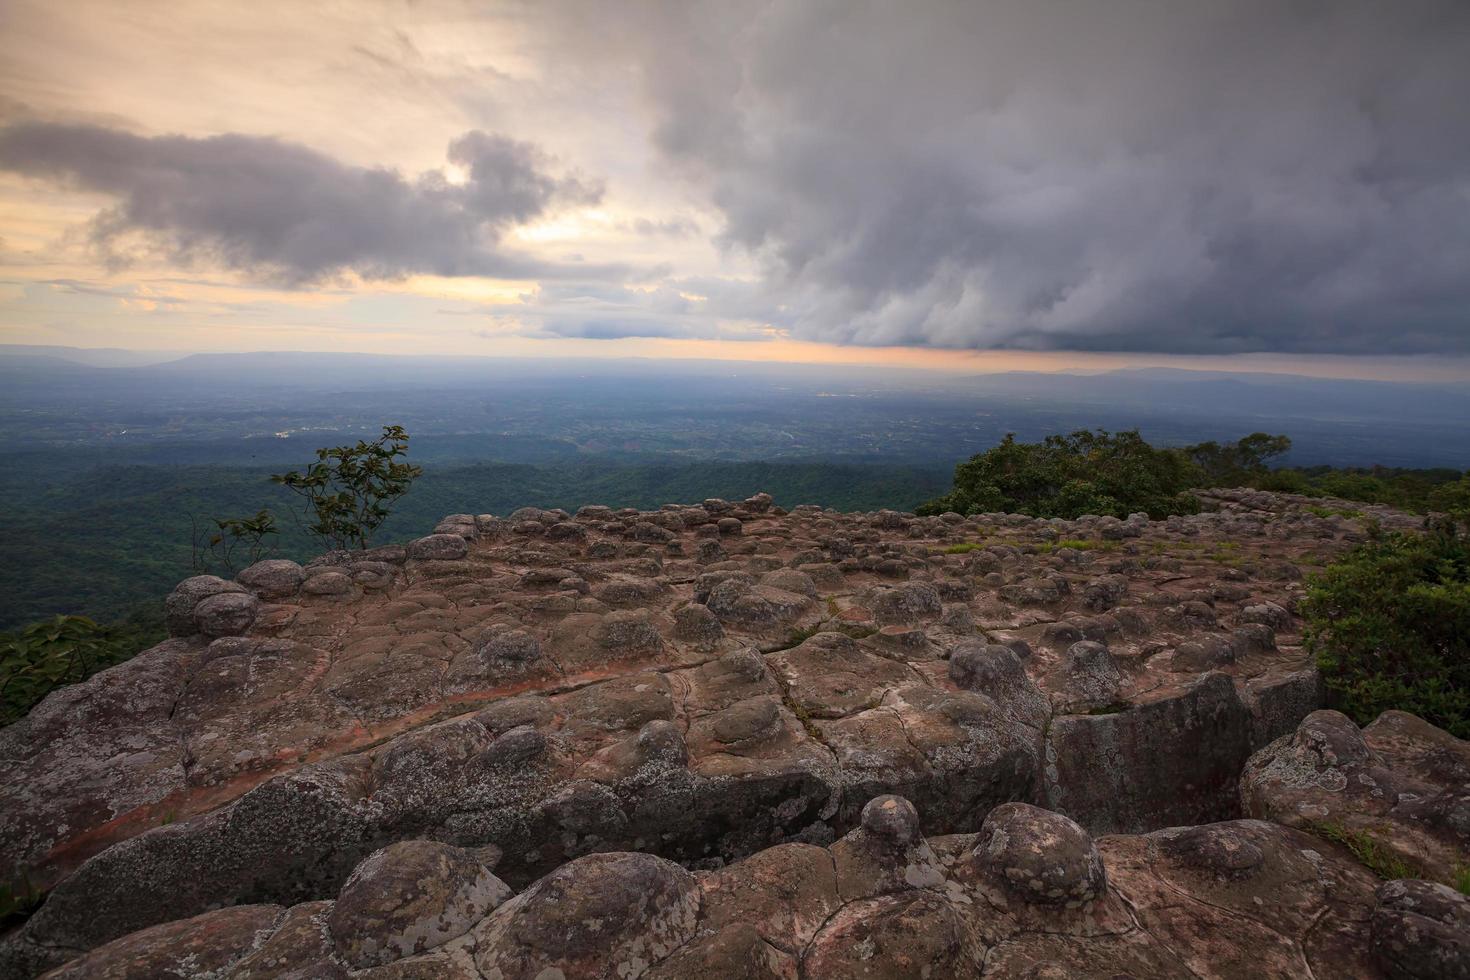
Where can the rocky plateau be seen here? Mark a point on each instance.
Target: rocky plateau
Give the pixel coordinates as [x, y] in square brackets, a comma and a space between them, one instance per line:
[733, 740]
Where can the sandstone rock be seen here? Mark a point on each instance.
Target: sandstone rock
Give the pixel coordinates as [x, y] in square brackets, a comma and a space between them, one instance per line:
[604, 915]
[1207, 653]
[272, 579]
[1029, 895]
[1421, 930]
[736, 952]
[1168, 762]
[892, 819]
[1404, 791]
[1042, 857]
[178, 608]
[506, 645]
[697, 624]
[576, 687]
[759, 503]
[408, 898]
[206, 945]
[1091, 681]
[996, 671]
[300, 948]
[438, 547]
[226, 614]
[904, 604]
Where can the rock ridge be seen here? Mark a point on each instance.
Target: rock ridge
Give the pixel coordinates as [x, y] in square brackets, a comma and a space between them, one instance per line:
[696, 684]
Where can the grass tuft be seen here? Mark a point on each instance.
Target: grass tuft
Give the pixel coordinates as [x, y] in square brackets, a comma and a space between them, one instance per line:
[1371, 852]
[18, 900]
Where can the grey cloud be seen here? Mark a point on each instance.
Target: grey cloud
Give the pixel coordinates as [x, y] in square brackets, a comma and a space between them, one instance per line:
[604, 311]
[1223, 176]
[668, 227]
[296, 216]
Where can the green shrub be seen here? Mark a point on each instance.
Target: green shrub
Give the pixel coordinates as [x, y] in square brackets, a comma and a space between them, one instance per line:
[1099, 472]
[41, 657]
[1087, 472]
[1452, 499]
[235, 543]
[348, 488]
[1415, 490]
[1389, 625]
[1238, 463]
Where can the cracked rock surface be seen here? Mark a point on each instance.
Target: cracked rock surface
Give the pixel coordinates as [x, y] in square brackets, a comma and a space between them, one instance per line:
[651, 696]
[1030, 895]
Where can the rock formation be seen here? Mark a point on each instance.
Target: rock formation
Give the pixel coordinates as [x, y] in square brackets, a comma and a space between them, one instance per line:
[726, 738]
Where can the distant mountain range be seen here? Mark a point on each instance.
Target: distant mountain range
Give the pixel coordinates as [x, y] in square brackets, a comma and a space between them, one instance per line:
[711, 409]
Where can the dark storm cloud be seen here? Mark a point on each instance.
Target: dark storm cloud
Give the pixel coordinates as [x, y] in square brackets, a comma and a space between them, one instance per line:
[1237, 175]
[297, 216]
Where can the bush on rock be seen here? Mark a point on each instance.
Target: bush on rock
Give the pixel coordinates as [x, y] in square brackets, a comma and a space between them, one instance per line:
[1390, 627]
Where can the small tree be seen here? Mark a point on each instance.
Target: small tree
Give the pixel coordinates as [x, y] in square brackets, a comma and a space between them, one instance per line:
[1244, 462]
[1087, 472]
[235, 539]
[348, 488]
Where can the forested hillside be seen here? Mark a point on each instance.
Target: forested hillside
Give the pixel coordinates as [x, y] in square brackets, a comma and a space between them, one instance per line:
[100, 542]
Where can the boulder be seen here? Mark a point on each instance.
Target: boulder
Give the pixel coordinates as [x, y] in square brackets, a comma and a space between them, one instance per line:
[408, 898]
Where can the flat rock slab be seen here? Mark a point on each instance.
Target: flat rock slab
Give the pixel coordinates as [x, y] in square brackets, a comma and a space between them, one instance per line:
[553, 686]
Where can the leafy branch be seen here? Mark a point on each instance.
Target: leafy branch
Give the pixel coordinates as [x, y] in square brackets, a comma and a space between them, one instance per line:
[348, 489]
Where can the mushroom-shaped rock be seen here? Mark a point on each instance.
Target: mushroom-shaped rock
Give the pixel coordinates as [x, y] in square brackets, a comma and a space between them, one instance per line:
[626, 630]
[273, 578]
[892, 819]
[178, 608]
[792, 581]
[662, 742]
[1041, 857]
[226, 613]
[438, 547]
[886, 853]
[759, 503]
[1421, 931]
[905, 603]
[696, 624]
[1267, 613]
[603, 915]
[327, 582]
[408, 898]
[709, 552]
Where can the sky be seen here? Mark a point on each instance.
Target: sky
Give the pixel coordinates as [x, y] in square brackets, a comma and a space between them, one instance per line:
[995, 184]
